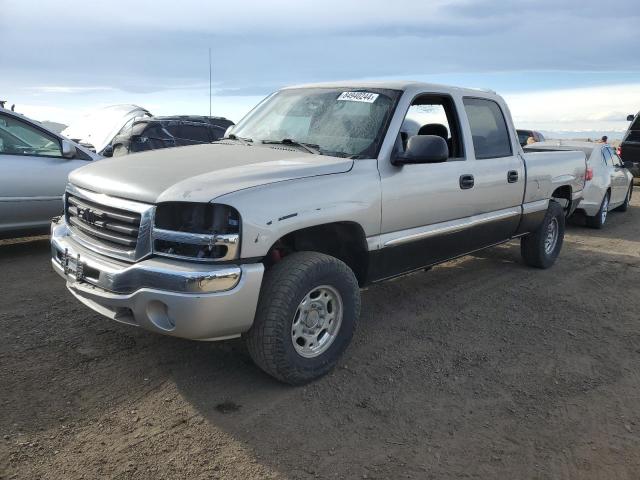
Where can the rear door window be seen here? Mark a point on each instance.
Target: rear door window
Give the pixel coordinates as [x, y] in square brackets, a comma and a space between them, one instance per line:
[488, 128]
[198, 133]
[615, 158]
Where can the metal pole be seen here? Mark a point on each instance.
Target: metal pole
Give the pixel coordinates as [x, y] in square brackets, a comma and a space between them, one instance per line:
[209, 81]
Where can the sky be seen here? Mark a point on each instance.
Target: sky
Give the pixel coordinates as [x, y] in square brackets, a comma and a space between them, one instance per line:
[563, 66]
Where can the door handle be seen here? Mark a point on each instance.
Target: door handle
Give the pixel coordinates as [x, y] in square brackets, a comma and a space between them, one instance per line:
[466, 182]
[512, 176]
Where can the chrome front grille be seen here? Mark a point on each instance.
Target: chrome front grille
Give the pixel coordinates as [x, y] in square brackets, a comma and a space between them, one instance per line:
[109, 225]
[103, 222]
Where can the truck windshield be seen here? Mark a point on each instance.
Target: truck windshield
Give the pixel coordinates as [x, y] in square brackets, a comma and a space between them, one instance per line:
[340, 122]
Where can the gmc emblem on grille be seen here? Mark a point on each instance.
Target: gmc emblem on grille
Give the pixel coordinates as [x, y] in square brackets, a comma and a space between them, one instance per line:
[88, 215]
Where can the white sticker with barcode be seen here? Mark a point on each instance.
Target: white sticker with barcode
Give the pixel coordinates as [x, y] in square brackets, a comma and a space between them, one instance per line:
[366, 97]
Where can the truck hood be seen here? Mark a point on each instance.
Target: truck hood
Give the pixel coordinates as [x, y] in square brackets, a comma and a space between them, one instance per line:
[200, 173]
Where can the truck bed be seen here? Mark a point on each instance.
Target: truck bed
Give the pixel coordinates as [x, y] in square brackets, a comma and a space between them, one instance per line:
[549, 170]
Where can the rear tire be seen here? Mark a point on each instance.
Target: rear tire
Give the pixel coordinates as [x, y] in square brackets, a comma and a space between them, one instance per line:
[599, 219]
[305, 297]
[541, 248]
[625, 206]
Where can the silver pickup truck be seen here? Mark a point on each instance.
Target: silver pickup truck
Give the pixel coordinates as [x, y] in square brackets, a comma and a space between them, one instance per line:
[320, 190]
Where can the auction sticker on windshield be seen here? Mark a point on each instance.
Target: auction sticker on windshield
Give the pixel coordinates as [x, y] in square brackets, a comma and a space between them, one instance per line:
[365, 97]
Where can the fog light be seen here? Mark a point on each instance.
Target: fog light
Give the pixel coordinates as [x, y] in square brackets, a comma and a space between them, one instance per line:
[159, 315]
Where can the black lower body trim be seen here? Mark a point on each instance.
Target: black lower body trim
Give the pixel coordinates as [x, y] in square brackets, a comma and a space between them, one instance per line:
[393, 261]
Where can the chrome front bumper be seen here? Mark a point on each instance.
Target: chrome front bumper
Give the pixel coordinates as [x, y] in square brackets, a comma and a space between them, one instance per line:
[183, 299]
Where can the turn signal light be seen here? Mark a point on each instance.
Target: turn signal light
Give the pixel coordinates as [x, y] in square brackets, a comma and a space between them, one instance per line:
[588, 174]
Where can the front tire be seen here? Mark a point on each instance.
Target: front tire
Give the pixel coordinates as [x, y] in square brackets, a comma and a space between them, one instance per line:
[599, 219]
[307, 312]
[541, 248]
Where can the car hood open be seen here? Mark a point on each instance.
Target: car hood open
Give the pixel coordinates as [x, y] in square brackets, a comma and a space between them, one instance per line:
[201, 173]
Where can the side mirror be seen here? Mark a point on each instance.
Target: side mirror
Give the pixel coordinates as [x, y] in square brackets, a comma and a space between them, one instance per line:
[630, 118]
[423, 149]
[108, 151]
[68, 149]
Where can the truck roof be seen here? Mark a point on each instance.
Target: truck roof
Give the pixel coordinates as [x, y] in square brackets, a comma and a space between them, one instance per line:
[402, 85]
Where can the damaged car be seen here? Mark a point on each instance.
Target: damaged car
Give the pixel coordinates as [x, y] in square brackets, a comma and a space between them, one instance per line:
[164, 132]
[97, 129]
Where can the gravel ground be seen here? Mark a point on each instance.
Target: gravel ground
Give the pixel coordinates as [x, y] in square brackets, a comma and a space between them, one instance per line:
[481, 368]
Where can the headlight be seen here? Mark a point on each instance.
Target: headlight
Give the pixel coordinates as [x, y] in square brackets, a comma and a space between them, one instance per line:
[197, 231]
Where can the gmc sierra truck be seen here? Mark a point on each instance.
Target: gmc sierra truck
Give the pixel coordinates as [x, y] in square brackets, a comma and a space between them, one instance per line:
[270, 233]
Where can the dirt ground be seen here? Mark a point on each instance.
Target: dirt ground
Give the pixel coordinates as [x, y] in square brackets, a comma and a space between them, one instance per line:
[481, 368]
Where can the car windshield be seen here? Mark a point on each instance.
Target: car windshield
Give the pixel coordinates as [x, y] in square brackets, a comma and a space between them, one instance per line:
[339, 122]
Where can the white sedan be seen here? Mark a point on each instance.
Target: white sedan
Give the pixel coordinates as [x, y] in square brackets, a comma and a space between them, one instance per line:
[609, 184]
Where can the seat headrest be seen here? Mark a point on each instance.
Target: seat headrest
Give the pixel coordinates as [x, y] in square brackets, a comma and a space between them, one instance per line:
[434, 129]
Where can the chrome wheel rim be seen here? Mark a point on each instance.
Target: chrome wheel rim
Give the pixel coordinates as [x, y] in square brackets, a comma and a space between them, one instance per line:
[317, 321]
[552, 236]
[605, 209]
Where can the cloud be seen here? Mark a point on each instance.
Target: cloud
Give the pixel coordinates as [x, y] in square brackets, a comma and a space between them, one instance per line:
[147, 46]
[579, 109]
[69, 89]
[155, 52]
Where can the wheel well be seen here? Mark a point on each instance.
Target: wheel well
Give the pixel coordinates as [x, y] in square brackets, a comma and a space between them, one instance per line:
[343, 240]
[563, 196]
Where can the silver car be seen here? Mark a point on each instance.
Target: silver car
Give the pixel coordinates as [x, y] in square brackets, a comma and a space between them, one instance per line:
[35, 164]
[609, 184]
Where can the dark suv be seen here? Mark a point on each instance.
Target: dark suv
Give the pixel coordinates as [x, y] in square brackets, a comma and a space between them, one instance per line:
[165, 132]
[629, 149]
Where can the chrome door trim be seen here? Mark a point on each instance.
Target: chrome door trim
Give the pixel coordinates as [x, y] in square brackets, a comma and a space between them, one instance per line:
[414, 234]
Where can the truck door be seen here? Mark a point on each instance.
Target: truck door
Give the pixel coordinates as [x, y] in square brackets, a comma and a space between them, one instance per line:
[500, 171]
[433, 212]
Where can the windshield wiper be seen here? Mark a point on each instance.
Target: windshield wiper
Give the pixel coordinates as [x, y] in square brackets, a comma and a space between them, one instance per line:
[244, 141]
[309, 147]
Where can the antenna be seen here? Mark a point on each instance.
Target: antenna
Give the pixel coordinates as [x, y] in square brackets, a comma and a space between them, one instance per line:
[209, 81]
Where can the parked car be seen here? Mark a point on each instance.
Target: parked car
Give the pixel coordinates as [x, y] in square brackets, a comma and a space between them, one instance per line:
[609, 184]
[35, 163]
[525, 135]
[97, 129]
[318, 191]
[629, 149]
[162, 132]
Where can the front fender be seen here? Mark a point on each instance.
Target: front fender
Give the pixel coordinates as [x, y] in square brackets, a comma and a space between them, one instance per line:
[270, 212]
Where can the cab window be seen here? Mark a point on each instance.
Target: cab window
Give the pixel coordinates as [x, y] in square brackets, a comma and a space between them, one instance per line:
[433, 115]
[488, 128]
